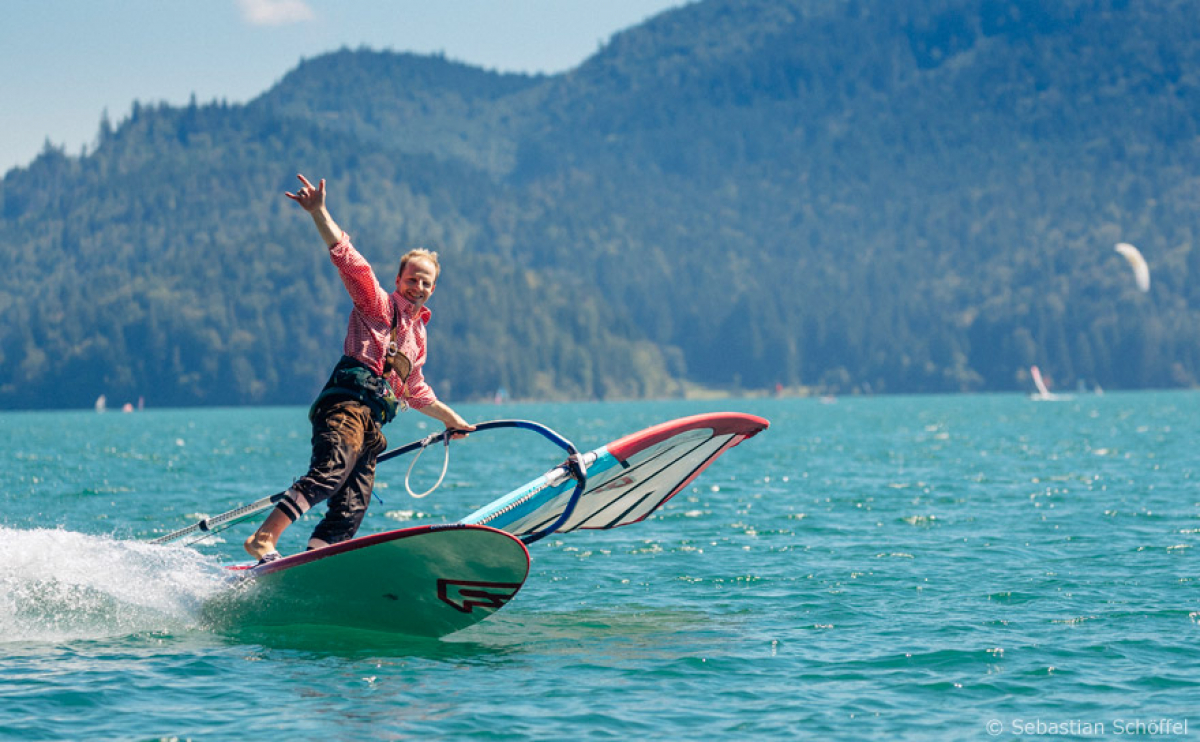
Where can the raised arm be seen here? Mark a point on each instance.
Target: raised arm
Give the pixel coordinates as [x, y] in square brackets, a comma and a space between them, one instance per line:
[312, 199]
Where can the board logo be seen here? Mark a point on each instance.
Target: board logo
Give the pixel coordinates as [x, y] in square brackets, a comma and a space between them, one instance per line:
[466, 596]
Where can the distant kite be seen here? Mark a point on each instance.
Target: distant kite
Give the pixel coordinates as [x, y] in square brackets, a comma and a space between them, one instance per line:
[1141, 271]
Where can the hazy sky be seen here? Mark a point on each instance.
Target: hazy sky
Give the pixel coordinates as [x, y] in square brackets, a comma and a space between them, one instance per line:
[65, 62]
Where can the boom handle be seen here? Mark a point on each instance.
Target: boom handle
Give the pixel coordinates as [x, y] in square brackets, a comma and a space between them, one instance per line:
[546, 432]
[574, 463]
[218, 522]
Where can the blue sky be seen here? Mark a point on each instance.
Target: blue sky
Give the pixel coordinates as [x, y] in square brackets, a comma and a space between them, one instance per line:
[66, 62]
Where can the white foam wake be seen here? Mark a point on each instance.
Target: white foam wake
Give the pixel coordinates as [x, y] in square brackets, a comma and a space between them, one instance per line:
[58, 585]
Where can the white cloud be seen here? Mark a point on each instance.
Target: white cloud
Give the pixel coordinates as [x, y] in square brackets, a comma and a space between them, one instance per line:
[275, 12]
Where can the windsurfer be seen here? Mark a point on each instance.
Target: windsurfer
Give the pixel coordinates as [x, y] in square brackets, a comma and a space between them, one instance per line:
[379, 374]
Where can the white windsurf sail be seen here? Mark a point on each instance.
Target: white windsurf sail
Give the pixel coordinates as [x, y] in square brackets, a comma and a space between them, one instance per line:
[1038, 382]
[626, 480]
[1043, 393]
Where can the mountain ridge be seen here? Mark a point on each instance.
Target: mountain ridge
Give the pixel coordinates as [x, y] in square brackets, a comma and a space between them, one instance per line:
[845, 195]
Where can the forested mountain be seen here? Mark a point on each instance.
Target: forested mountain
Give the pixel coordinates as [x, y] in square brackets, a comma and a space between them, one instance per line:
[847, 195]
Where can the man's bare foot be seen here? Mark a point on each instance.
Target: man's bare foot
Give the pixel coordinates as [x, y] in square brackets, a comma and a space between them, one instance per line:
[259, 545]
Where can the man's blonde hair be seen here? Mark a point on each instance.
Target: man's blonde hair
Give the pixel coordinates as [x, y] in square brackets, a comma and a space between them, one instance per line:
[420, 252]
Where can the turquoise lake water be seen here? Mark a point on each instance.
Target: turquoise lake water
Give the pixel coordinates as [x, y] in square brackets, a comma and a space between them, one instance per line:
[891, 568]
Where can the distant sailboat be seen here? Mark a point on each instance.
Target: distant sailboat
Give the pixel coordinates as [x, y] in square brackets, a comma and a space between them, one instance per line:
[101, 403]
[1043, 393]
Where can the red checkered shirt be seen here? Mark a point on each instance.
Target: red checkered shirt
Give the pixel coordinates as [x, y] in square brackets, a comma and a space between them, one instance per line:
[370, 327]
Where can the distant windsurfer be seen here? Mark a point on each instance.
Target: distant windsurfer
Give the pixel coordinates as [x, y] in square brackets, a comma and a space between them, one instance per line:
[379, 373]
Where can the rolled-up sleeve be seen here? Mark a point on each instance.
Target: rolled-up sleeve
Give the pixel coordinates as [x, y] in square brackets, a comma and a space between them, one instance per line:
[416, 392]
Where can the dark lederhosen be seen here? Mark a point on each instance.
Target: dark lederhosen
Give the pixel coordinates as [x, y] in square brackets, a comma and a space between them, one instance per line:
[347, 419]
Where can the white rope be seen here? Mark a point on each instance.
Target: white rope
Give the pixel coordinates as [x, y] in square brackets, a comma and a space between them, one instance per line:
[445, 465]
